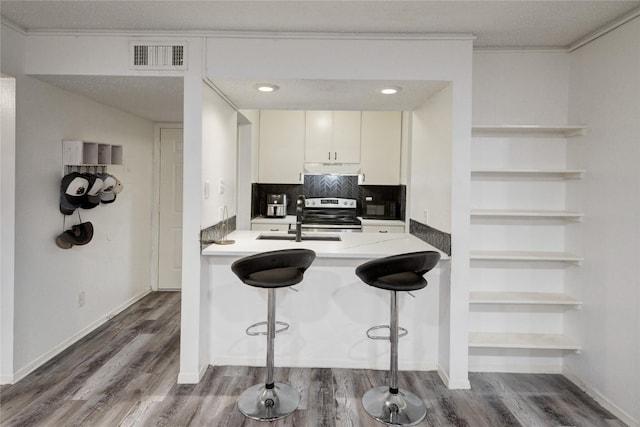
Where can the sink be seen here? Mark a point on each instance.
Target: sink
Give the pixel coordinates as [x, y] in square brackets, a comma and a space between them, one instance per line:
[326, 237]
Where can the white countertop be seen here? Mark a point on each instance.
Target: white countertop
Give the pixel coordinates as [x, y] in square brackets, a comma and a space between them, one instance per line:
[352, 245]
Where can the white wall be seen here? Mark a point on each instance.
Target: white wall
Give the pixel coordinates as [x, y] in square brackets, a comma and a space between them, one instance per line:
[248, 125]
[520, 87]
[219, 156]
[431, 151]
[113, 269]
[605, 95]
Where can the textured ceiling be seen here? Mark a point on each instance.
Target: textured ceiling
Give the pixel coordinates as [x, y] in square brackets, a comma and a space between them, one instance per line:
[329, 94]
[497, 24]
[158, 99]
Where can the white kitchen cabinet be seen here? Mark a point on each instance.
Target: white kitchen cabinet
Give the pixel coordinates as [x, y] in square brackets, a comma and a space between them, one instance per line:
[270, 226]
[332, 137]
[518, 257]
[380, 146]
[384, 229]
[281, 149]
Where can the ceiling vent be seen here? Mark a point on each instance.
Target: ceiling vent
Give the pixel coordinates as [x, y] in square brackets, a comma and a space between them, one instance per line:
[157, 55]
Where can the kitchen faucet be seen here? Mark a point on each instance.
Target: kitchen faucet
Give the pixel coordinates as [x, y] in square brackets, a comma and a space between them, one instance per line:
[299, 207]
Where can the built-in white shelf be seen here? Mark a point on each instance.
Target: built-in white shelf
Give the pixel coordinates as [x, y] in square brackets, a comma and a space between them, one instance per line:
[524, 256]
[514, 144]
[528, 173]
[542, 214]
[523, 341]
[528, 130]
[522, 298]
[83, 153]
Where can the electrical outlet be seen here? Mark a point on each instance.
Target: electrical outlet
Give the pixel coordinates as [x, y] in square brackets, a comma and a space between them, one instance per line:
[81, 299]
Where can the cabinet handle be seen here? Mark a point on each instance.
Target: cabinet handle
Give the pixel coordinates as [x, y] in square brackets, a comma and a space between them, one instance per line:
[300, 176]
[335, 155]
[382, 231]
[274, 229]
[329, 157]
[364, 176]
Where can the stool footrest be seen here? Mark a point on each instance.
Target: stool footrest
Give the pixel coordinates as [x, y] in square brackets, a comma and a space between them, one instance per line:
[401, 332]
[283, 327]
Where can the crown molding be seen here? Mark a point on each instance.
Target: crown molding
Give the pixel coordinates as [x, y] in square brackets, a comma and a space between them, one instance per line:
[604, 30]
[515, 49]
[245, 34]
[7, 23]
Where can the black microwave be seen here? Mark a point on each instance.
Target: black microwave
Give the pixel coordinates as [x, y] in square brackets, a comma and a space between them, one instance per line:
[380, 210]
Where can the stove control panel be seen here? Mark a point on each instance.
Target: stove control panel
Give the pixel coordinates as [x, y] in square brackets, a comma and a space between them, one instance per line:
[329, 202]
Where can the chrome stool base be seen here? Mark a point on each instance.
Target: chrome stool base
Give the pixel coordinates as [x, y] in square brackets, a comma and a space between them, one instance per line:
[263, 404]
[401, 409]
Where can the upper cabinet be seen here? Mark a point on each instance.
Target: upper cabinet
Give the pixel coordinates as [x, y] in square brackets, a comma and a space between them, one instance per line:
[281, 157]
[332, 137]
[380, 145]
[291, 138]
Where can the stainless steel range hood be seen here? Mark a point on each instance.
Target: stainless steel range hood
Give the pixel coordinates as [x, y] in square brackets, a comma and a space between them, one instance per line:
[332, 168]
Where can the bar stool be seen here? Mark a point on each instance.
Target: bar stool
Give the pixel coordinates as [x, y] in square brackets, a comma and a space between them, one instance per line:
[271, 270]
[390, 404]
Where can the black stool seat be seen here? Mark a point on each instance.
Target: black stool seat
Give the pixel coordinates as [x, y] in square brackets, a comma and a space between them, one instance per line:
[390, 404]
[275, 269]
[271, 270]
[398, 272]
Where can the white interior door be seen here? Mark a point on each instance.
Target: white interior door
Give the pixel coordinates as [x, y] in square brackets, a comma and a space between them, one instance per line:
[170, 221]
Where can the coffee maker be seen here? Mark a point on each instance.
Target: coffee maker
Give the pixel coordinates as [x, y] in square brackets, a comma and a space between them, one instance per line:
[276, 205]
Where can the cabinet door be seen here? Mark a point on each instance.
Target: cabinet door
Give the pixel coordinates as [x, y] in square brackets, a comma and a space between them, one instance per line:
[346, 137]
[383, 229]
[380, 144]
[270, 227]
[332, 137]
[281, 152]
[318, 131]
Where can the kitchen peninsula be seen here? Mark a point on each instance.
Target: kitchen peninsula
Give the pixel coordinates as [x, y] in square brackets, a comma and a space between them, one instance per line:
[329, 311]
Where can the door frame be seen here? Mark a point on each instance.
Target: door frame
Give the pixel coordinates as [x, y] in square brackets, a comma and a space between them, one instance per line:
[155, 211]
[7, 225]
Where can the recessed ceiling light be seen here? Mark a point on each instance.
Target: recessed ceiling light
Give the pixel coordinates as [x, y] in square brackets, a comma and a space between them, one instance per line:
[390, 90]
[266, 87]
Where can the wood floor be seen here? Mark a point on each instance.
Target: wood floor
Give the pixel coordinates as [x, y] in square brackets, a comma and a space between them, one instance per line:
[124, 374]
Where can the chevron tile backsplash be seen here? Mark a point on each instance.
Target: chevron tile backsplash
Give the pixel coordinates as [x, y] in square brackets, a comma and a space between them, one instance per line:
[327, 186]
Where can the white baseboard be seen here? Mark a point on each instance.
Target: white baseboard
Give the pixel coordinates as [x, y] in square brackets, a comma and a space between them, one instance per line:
[463, 384]
[282, 360]
[601, 399]
[516, 368]
[192, 377]
[444, 376]
[35, 364]
[6, 379]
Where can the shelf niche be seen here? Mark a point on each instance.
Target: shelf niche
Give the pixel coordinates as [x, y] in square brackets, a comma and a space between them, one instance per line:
[83, 153]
